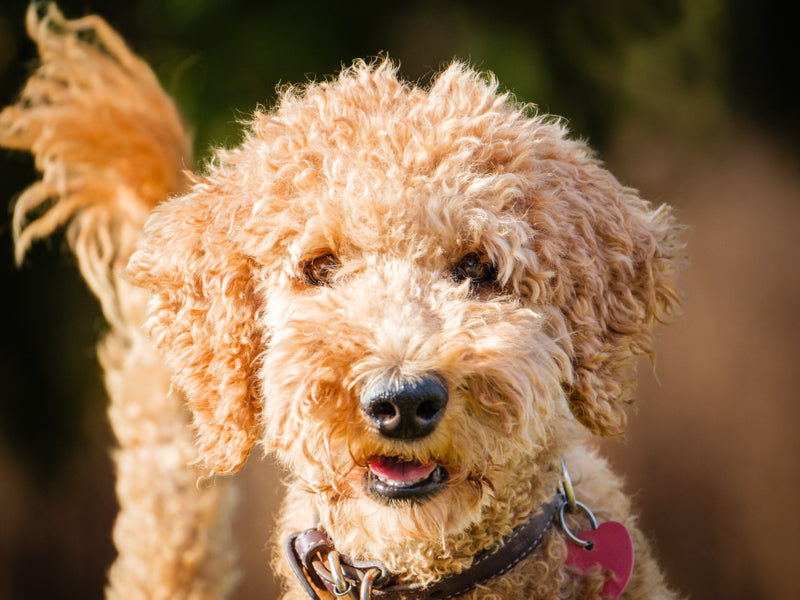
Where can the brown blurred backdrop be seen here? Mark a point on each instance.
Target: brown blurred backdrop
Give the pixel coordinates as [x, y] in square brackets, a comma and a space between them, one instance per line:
[691, 101]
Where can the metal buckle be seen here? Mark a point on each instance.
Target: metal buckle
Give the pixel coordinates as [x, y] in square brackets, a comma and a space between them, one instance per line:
[572, 505]
[365, 593]
[341, 587]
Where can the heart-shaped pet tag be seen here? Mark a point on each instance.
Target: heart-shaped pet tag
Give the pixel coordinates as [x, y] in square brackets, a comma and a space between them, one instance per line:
[612, 549]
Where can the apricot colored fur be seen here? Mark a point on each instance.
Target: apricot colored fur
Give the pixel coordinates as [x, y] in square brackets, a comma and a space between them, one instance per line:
[398, 183]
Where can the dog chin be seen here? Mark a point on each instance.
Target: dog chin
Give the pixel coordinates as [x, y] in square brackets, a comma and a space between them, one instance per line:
[380, 514]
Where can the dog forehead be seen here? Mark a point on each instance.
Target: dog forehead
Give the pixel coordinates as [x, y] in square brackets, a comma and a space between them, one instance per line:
[372, 161]
[410, 211]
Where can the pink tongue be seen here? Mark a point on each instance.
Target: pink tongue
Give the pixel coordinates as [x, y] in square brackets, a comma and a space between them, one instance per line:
[391, 468]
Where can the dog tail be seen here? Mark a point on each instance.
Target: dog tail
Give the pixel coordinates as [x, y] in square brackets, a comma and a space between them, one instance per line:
[110, 145]
[108, 141]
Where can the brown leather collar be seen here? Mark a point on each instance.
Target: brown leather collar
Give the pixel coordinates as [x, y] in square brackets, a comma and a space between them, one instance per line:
[308, 552]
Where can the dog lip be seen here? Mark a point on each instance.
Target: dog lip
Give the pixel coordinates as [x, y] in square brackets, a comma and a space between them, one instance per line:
[400, 473]
[390, 478]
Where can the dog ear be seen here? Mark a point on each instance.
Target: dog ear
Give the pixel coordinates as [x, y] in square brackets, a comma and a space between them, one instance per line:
[615, 262]
[202, 315]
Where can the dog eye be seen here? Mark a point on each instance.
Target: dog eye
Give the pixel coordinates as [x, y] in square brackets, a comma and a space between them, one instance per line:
[478, 271]
[320, 270]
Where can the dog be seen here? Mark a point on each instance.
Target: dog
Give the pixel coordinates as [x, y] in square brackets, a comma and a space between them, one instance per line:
[426, 302]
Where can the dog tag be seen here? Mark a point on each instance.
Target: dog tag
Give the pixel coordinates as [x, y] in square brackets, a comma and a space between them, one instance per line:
[612, 549]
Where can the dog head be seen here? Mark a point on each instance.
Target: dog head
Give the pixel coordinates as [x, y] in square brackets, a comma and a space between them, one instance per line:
[395, 288]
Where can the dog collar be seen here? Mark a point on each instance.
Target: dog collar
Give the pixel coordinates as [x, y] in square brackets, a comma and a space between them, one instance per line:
[317, 564]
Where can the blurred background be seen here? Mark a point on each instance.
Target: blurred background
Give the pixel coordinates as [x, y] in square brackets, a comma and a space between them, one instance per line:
[694, 102]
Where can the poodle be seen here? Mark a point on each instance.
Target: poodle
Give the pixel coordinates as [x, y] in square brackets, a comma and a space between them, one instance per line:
[425, 301]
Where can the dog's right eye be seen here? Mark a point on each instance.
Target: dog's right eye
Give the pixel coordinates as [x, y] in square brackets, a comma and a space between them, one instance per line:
[480, 272]
[320, 270]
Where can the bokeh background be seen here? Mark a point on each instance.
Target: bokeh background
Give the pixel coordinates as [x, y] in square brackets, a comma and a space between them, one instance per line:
[694, 102]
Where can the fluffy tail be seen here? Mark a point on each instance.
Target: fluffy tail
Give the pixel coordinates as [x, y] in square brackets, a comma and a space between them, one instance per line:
[110, 145]
[108, 141]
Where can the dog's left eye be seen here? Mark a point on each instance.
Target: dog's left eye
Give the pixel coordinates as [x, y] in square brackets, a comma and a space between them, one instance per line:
[320, 270]
[478, 271]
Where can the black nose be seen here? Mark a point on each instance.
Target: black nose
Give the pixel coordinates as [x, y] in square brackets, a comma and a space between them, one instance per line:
[405, 409]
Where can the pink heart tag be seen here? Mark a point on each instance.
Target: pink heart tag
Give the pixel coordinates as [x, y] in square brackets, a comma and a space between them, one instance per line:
[612, 549]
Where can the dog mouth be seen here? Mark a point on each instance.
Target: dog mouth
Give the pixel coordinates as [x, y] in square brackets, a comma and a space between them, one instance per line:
[392, 478]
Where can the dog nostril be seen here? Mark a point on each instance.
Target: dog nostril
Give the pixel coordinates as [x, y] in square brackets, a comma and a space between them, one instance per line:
[386, 414]
[427, 411]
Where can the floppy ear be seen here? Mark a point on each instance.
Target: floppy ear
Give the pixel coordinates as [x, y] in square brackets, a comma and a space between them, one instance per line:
[615, 262]
[202, 315]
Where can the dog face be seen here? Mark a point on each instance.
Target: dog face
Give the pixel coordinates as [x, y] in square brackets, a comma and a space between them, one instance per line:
[395, 289]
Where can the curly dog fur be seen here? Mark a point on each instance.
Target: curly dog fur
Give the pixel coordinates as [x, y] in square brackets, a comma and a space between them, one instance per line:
[367, 232]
